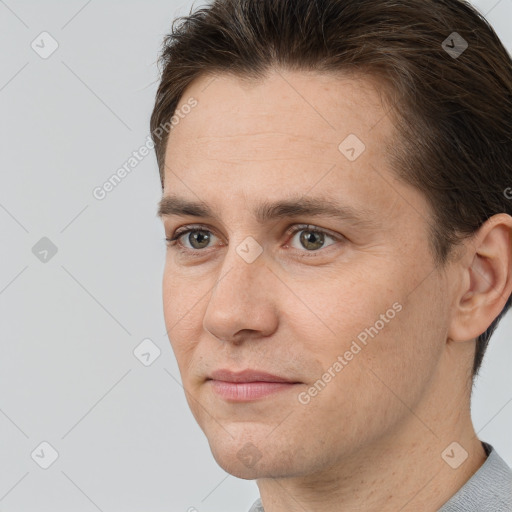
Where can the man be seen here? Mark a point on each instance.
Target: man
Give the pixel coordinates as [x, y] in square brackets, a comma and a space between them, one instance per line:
[334, 177]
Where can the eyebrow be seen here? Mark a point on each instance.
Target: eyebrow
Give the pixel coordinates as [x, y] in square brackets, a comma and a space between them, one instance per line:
[268, 211]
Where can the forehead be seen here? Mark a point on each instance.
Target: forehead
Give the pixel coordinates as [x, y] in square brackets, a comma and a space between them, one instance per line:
[287, 114]
[285, 134]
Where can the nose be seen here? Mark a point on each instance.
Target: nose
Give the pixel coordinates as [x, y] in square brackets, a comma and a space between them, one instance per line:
[242, 302]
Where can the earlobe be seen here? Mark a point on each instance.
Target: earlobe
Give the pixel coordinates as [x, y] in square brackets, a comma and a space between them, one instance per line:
[487, 279]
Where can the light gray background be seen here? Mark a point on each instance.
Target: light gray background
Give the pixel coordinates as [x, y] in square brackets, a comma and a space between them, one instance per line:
[125, 438]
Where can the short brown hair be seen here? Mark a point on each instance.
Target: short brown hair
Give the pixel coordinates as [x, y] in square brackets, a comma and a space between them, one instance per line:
[453, 113]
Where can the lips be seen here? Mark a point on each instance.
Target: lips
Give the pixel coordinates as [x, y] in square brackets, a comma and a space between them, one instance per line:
[247, 376]
[248, 385]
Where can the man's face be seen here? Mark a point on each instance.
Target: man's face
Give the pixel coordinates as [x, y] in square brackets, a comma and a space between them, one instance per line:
[357, 312]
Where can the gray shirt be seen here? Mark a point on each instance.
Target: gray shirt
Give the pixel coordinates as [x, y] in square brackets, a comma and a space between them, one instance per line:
[488, 490]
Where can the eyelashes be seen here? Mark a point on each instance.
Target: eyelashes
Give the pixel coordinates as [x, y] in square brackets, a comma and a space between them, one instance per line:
[175, 243]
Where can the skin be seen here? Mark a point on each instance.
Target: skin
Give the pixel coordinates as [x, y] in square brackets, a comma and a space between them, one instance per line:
[372, 439]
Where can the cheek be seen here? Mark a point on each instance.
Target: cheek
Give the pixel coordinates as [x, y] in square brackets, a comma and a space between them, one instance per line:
[182, 306]
[377, 382]
[397, 358]
[341, 306]
[181, 294]
[368, 327]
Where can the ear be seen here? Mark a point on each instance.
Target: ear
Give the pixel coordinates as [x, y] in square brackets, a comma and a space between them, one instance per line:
[486, 282]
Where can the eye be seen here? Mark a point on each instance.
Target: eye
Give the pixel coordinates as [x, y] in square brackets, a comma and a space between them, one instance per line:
[198, 238]
[312, 239]
[195, 240]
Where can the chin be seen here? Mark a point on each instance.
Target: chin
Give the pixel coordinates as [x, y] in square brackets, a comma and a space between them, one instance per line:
[238, 469]
[250, 460]
[231, 464]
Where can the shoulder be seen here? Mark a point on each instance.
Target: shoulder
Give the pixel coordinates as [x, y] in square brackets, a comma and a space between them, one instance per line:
[488, 490]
